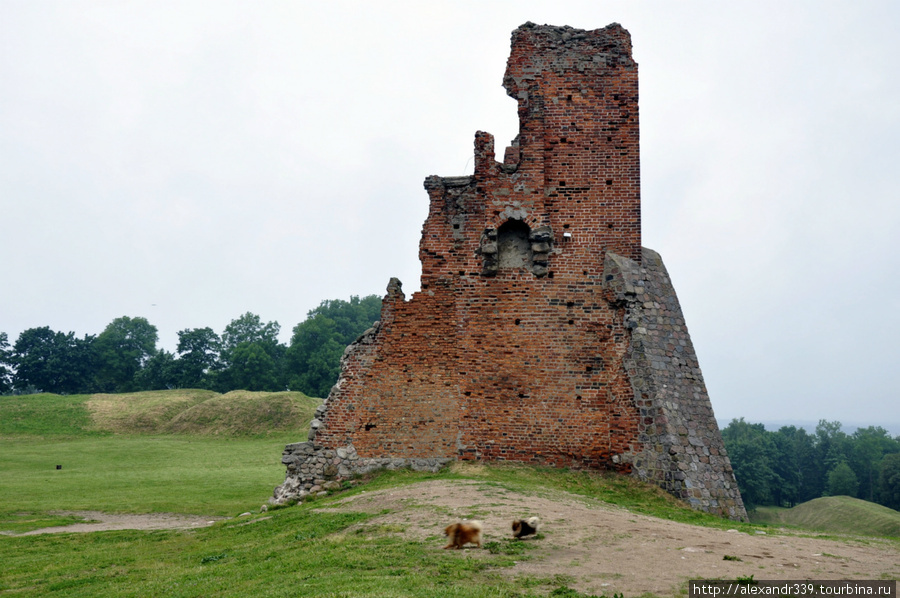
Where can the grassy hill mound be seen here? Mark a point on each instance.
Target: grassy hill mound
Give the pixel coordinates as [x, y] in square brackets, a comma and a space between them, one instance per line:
[245, 412]
[183, 411]
[142, 412]
[841, 514]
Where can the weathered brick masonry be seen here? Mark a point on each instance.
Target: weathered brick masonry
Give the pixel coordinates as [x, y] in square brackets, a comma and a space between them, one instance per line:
[543, 332]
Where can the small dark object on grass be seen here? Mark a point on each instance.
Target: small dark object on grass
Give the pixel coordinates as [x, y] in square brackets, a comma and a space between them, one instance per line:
[59, 467]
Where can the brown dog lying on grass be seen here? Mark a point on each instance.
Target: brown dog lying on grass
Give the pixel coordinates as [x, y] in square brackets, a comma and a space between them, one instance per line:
[462, 533]
[525, 527]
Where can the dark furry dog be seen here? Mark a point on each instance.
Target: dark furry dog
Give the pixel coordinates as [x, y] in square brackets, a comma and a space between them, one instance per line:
[525, 527]
[459, 534]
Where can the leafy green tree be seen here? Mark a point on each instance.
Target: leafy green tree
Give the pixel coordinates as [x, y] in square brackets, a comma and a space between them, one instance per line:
[161, 372]
[52, 361]
[867, 447]
[249, 328]
[198, 351]
[242, 365]
[252, 368]
[123, 348]
[842, 481]
[833, 443]
[752, 453]
[803, 447]
[5, 365]
[832, 446]
[889, 481]
[313, 359]
[788, 467]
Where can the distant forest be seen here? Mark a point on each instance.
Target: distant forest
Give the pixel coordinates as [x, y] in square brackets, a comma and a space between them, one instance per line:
[791, 466]
[246, 356]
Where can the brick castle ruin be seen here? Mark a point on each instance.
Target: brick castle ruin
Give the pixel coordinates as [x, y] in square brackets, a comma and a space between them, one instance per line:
[543, 332]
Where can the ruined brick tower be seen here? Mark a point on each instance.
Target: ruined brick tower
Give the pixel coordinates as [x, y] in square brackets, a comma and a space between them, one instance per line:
[543, 332]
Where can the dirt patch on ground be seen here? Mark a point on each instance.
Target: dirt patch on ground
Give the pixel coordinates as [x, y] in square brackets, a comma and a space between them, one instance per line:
[97, 521]
[601, 549]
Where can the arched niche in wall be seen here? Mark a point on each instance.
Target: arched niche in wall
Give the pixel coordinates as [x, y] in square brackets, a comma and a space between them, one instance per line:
[515, 246]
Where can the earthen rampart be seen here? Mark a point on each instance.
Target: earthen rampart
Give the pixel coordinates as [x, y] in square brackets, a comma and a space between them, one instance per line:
[543, 333]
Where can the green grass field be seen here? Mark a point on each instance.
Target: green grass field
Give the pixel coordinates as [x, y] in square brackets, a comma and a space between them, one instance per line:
[296, 551]
[220, 456]
[290, 554]
[201, 453]
[140, 474]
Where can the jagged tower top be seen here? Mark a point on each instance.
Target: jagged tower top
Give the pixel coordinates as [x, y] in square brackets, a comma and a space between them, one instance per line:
[536, 48]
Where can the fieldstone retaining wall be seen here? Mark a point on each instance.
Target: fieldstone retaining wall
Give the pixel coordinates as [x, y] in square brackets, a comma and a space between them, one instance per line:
[313, 468]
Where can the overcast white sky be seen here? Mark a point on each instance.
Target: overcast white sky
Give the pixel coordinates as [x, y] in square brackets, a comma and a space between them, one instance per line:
[191, 161]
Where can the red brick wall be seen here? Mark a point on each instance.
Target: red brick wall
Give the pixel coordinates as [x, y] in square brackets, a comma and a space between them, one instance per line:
[521, 364]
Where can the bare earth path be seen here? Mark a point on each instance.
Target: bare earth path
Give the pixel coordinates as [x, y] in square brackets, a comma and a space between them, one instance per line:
[97, 521]
[605, 549]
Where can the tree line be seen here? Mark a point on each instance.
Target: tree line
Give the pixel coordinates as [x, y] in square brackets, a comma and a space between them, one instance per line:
[791, 466]
[246, 355]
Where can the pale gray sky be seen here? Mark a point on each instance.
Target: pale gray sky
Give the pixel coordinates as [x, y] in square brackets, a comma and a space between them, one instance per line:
[191, 161]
